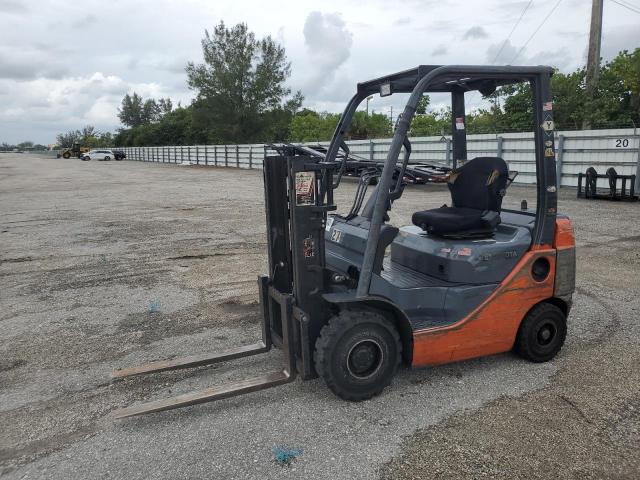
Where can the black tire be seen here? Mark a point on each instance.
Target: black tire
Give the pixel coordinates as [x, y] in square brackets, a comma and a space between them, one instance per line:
[357, 354]
[542, 333]
[66, 155]
[107, 158]
[85, 158]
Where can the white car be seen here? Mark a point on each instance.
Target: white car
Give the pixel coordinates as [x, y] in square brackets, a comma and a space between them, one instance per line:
[97, 155]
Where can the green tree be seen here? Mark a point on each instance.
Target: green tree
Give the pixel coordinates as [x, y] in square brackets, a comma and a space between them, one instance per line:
[423, 104]
[240, 81]
[616, 100]
[165, 105]
[568, 99]
[173, 128]
[66, 140]
[134, 111]
[131, 111]
[626, 67]
[89, 137]
[374, 125]
[150, 111]
[431, 123]
[482, 121]
[106, 139]
[310, 126]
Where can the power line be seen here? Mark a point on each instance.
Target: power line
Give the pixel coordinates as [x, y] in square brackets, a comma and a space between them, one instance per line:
[627, 6]
[630, 4]
[512, 30]
[537, 30]
[504, 44]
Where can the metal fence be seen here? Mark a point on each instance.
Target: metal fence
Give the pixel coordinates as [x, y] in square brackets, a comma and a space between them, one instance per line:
[575, 152]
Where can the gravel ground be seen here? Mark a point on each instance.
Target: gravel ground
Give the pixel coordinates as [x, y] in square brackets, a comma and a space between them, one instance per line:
[109, 264]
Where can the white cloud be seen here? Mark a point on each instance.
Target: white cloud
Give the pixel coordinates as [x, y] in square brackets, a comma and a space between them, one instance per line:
[12, 6]
[475, 33]
[440, 50]
[29, 63]
[504, 53]
[329, 45]
[64, 104]
[403, 21]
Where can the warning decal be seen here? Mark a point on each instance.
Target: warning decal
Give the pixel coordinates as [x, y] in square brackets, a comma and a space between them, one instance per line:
[305, 188]
[548, 125]
[309, 247]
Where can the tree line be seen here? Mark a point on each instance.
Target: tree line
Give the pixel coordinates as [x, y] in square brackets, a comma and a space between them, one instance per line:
[26, 145]
[241, 97]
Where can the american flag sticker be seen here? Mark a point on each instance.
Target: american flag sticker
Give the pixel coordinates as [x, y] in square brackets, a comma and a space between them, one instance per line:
[547, 106]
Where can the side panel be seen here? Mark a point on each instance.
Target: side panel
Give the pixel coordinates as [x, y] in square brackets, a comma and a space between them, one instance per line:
[491, 328]
[564, 242]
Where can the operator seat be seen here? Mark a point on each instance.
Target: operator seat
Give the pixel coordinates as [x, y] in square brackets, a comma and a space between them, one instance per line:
[477, 189]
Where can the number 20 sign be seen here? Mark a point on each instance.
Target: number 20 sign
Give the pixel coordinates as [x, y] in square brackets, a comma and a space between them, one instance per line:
[622, 143]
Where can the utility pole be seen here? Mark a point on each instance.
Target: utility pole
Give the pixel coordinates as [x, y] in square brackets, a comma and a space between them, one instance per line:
[593, 57]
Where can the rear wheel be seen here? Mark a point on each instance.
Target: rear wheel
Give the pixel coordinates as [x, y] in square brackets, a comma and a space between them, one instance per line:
[357, 354]
[107, 158]
[66, 155]
[542, 333]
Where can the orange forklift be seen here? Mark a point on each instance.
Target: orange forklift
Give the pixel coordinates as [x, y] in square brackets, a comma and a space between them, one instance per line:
[350, 297]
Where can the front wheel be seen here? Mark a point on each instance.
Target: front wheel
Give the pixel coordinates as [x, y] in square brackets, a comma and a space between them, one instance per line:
[542, 333]
[107, 158]
[66, 155]
[357, 354]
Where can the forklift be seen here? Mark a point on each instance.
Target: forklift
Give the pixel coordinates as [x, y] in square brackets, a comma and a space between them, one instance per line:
[349, 298]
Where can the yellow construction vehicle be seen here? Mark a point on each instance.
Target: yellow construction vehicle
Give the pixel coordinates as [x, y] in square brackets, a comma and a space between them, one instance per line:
[75, 151]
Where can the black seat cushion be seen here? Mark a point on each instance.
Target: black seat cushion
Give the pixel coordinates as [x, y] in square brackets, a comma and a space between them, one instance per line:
[446, 221]
[477, 189]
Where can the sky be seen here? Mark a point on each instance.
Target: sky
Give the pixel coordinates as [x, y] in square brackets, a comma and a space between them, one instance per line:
[68, 63]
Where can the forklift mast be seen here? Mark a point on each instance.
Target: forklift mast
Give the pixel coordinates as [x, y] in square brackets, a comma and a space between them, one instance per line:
[298, 195]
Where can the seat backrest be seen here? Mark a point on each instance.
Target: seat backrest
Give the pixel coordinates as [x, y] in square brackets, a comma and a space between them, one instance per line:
[479, 184]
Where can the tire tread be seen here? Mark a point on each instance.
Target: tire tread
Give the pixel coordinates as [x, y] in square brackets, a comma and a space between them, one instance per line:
[333, 331]
[522, 346]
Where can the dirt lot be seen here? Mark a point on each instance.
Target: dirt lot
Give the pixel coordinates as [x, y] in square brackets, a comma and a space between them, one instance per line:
[109, 264]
